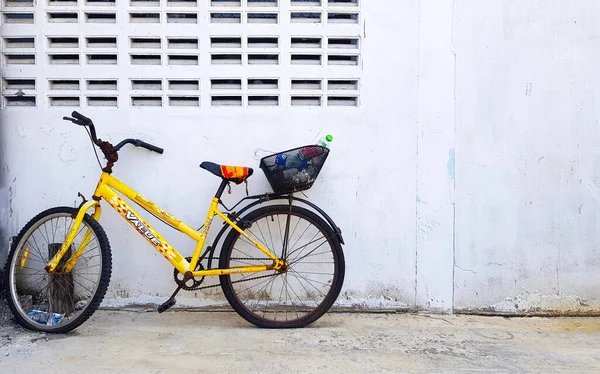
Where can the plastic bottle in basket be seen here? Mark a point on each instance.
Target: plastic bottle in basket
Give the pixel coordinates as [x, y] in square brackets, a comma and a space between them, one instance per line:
[280, 161]
[312, 153]
[307, 153]
[325, 141]
[296, 161]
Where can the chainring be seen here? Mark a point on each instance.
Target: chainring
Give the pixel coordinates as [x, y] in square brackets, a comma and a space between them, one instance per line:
[185, 284]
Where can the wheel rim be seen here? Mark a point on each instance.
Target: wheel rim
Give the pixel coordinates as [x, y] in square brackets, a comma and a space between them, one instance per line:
[52, 301]
[285, 298]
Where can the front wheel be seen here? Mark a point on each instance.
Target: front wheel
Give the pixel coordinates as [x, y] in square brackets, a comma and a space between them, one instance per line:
[309, 286]
[60, 301]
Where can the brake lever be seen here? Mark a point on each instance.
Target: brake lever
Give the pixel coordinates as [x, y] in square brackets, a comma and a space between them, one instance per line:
[74, 120]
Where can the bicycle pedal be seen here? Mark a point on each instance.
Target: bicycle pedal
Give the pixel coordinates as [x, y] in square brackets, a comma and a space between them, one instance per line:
[166, 305]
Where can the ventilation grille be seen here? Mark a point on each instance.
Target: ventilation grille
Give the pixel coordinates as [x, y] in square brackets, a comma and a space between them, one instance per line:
[150, 53]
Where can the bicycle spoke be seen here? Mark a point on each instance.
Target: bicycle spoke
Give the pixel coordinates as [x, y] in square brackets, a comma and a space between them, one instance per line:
[271, 290]
[246, 263]
[287, 293]
[36, 246]
[259, 291]
[257, 284]
[87, 267]
[280, 236]
[279, 301]
[39, 274]
[242, 252]
[294, 231]
[256, 237]
[312, 272]
[307, 291]
[53, 231]
[296, 259]
[87, 279]
[46, 238]
[46, 230]
[297, 240]
[261, 234]
[269, 227]
[36, 270]
[310, 254]
[87, 289]
[38, 282]
[244, 240]
[64, 290]
[89, 257]
[32, 256]
[300, 301]
[312, 240]
[309, 282]
[41, 292]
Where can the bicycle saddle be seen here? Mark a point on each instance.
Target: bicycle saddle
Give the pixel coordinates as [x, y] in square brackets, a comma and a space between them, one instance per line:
[236, 174]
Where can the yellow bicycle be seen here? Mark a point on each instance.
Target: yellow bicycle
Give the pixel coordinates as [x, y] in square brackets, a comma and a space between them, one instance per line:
[279, 266]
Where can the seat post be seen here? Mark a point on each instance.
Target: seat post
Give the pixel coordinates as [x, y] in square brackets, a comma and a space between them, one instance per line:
[224, 183]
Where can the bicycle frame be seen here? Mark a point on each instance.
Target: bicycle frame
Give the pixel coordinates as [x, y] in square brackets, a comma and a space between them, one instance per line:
[106, 189]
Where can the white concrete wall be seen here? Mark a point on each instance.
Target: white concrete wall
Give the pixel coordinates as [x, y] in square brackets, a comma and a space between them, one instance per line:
[527, 147]
[465, 179]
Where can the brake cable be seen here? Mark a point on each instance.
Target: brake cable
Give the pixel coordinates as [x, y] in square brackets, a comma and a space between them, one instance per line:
[93, 146]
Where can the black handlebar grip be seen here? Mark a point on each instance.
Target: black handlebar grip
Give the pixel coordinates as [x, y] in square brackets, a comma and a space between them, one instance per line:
[149, 147]
[81, 117]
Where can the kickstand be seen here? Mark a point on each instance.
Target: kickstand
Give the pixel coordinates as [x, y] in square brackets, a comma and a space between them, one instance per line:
[169, 303]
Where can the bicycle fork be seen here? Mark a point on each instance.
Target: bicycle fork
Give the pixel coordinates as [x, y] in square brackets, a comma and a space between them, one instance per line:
[52, 265]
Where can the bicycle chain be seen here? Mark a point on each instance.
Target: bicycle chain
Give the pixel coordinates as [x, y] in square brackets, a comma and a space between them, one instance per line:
[198, 287]
[238, 281]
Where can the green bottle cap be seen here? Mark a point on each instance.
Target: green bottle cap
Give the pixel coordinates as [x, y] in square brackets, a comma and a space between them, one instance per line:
[329, 138]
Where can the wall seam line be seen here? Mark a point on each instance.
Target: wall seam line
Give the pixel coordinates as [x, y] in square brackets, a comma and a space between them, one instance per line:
[454, 177]
[417, 152]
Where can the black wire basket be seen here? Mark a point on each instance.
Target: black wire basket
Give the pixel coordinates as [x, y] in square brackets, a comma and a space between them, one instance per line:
[295, 169]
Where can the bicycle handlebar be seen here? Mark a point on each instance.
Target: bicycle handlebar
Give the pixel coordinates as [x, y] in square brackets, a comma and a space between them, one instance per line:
[81, 120]
[80, 117]
[139, 143]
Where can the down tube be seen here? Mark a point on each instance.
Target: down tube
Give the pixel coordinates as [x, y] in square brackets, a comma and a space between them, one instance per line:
[145, 229]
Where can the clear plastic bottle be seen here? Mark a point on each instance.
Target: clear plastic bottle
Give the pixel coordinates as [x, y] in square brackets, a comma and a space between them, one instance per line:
[325, 141]
[297, 161]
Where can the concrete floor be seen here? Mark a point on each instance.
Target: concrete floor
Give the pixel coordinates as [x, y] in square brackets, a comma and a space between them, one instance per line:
[178, 341]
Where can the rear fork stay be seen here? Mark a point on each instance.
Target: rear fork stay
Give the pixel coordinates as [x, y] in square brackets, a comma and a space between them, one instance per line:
[260, 199]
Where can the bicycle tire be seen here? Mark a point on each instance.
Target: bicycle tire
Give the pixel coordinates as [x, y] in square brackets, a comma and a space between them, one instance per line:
[89, 307]
[321, 308]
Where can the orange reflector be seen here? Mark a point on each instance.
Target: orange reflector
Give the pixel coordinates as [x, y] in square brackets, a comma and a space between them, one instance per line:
[25, 257]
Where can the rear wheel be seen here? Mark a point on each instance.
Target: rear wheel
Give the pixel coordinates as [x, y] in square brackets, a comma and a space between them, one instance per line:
[60, 301]
[301, 294]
